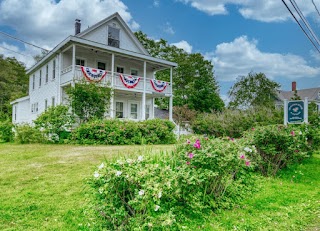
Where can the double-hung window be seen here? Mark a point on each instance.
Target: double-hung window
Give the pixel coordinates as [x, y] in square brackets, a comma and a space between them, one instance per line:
[134, 111]
[40, 77]
[54, 69]
[47, 73]
[80, 62]
[119, 109]
[113, 37]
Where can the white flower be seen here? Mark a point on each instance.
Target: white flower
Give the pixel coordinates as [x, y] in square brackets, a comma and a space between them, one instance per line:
[118, 173]
[101, 166]
[300, 133]
[129, 161]
[157, 208]
[160, 194]
[96, 174]
[140, 158]
[248, 149]
[100, 190]
[141, 192]
[120, 162]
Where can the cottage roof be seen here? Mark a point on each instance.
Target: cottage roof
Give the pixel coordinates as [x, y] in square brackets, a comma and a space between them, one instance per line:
[311, 93]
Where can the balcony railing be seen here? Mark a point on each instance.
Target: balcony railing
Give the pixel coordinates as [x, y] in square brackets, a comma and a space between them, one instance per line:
[119, 81]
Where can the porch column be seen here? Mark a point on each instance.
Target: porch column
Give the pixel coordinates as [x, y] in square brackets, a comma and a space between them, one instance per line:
[143, 106]
[73, 64]
[112, 114]
[171, 97]
[59, 78]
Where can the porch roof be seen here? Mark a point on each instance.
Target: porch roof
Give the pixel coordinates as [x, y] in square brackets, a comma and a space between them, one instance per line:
[76, 40]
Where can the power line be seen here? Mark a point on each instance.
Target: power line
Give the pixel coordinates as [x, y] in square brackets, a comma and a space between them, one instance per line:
[304, 31]
[14, 51]
[20, 40]
[315, 7]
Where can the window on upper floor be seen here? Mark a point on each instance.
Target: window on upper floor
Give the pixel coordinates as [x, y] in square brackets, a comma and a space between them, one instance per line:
[54, 69]
[80, 62]
[101, 65]
[47, 73]
[33, 81]
[45, 104]
[120, 70]
[53, 102]
[134, 72]
[113, 37]
[40, 77]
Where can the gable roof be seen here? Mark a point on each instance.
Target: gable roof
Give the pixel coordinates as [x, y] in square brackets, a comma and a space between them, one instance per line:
[123, 23]
[311, 93]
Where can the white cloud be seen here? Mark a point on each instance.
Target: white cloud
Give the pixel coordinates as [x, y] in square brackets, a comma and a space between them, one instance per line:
[156, 3]
[46, 23]
[168, 29]
[183, 45]
[241, 56]
[261, 10]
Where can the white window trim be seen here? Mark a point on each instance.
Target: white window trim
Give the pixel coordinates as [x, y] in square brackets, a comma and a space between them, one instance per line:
[81, 58]
[134, 69]
[129, 109]
[123, 108]
[120, 67]
[101, 61]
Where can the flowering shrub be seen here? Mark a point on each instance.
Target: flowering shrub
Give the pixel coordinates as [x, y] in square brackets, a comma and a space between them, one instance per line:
[27, 134]
[277, 146]
[161, 191]
[6, 134]
[125, 132]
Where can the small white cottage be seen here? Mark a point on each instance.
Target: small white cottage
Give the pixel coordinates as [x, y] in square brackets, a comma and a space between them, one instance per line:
[107, 52]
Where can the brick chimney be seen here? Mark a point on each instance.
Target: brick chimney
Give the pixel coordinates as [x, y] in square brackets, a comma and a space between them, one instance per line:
[294, 86]
[77, 27]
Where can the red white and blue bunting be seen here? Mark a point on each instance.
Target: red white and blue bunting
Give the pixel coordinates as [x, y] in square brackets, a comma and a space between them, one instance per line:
[129, 81]
[93, 74]
[158, 85]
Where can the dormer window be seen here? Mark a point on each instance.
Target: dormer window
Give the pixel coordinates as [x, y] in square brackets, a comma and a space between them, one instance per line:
[113, 37]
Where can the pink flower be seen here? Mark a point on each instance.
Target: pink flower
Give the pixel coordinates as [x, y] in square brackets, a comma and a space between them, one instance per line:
[187, 162]
[242, 157]
[191, 155]
[188, 141]
[247, 163]
[252, 129]
[292, 133]
[232, 139]
[197, 144]
[296, 150]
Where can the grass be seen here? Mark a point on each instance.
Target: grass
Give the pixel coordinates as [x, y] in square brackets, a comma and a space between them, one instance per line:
[43, 187]
[290, 201]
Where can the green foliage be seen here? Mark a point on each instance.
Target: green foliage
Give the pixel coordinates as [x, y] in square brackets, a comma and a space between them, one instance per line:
[278, 146]
[13, 84]
[253, 90]
[233, 123]
[27, 134]
[160, 192]
[6, 133]
[114, 131]
[89, 100]
[193, 81]
[56, 123]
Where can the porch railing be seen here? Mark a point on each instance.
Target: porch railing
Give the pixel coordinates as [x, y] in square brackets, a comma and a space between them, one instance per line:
[115, 80]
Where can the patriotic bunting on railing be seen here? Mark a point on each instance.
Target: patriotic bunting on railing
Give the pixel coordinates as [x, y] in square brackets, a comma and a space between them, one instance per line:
[93, 74]
[158, 85]
[129, 81]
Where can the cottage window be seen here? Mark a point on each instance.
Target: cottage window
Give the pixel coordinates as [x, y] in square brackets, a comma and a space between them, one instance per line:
[47, 73]
[101, 65]
[120, 70]
[80, 62]
[147, 111]
[40, 77]
[15, 112]
[113, 37]
[119, 109]
[54, 69]
[134, 111]
[134, 72]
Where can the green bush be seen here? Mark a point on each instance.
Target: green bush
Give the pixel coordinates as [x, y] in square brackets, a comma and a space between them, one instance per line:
[278, 146]
[27, 134]
[160, 192]
[114, 131]
[234, 122]
[6, 133]
[55, 123]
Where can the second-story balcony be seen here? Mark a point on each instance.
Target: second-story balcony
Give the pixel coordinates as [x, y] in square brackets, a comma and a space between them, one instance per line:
[117, 81]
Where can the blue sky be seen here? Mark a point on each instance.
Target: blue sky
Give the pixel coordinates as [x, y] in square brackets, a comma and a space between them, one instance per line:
[238, 36]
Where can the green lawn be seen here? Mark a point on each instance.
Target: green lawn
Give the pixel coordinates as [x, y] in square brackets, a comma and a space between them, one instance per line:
[42, 187]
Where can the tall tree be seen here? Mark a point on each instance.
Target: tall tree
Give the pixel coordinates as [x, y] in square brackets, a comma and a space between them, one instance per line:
[252, 90]
[13, 84]
[193, 80]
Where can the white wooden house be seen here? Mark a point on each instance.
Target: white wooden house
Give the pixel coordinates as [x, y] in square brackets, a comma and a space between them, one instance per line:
[107, 52]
